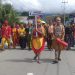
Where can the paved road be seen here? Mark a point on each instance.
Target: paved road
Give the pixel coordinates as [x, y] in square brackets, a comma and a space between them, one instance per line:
[19, 62]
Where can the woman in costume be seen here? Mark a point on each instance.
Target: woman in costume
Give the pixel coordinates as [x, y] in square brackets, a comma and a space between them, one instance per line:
[22, 38]
[38, 41]
[6, 33]
[17, 27]
[14, 36]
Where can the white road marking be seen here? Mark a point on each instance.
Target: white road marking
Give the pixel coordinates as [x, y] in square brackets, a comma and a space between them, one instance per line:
[29, 73]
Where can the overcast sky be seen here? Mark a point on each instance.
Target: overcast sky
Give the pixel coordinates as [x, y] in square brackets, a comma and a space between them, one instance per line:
[47, 6]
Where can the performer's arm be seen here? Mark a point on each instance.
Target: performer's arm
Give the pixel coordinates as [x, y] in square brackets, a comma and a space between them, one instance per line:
[41, 31]
[34, 33]
[63, 33]
[50, 29]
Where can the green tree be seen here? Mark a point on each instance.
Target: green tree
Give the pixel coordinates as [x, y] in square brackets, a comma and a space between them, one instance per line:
[8, 12]
[24, 13]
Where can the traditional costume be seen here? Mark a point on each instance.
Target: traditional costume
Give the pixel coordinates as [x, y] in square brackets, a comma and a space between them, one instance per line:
[6, 33]
[38, 40]
[58, 32]
[29, 36]
[29, 39]
[14, 36]
[50, 35]
[17, 27]
[22, 38]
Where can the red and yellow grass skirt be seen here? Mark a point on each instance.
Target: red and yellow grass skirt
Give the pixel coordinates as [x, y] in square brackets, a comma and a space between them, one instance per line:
[38, 44]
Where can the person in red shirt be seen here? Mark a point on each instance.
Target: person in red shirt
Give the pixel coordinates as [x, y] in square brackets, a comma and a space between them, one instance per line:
[6, 33]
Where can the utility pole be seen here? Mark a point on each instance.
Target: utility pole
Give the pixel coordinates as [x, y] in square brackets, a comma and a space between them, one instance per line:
[64, 3]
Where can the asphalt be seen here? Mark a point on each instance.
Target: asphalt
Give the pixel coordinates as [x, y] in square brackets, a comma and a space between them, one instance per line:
[19, 62]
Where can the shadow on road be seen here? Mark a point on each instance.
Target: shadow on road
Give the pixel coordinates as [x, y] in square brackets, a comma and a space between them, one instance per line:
[29, 60]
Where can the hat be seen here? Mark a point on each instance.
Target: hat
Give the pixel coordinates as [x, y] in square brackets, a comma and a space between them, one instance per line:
[43, 22]
[38, 21]
[58, 18]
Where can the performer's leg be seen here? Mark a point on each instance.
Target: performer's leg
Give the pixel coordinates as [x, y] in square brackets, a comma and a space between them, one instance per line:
[21, 42]
[38, 56]
[59, 53]
[35, 56]
[29, 42]
[8, 40]
[14, 42]
[56, 54]
[48, 45]
[14, 46]
[27, 39]
[3, 42]
[56, 57]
